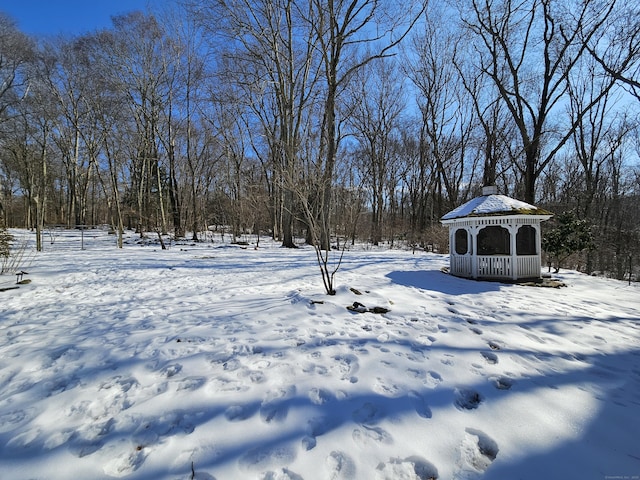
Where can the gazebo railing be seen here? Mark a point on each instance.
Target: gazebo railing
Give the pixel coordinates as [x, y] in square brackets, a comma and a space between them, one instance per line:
[528, 266]
[494, 266]
[461, 265]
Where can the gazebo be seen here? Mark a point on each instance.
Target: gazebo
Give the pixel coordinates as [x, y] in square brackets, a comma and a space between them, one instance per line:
[495, 237]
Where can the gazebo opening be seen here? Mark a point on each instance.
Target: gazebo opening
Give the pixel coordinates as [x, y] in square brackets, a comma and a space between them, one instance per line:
[494, 240]
[526, 241]
[461, 241]
[495, 237]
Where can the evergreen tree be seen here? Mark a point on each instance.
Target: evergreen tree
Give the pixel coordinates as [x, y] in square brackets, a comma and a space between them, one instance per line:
[571, 235]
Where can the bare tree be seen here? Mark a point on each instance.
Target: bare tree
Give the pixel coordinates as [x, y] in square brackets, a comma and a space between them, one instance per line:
[589, 140]
[344, 28]
[134, 57]
[376, 103]
[271, 50]
[447, 119]
[528, 49]
[617, 48]
[16, 54]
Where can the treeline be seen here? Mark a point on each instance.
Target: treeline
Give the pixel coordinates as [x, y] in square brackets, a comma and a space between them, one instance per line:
[326, 119]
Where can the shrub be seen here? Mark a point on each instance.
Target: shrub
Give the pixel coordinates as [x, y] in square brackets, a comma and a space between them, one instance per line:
[570, 235]
[5, 242]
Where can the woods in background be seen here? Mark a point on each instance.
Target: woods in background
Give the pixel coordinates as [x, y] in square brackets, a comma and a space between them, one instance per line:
[333, 121]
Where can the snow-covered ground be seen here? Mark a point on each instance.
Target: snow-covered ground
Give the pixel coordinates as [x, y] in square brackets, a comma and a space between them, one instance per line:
[213, 361]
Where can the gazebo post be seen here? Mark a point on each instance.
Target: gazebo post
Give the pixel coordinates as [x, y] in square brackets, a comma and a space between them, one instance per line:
[513, 232]
[473, 230]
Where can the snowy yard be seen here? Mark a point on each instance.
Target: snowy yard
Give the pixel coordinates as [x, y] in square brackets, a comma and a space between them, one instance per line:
[213, 361]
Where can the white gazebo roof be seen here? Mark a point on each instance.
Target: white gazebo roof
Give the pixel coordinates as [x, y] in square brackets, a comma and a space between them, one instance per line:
[494, 205]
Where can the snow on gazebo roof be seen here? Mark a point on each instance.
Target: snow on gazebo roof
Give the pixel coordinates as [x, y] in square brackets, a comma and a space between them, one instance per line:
[494, 205]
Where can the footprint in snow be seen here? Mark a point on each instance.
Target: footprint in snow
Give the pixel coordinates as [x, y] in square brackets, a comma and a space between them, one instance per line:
[12, 419]
[275, 411]
[264, 457]
[126, 463]
[477, 451]
[282, 474]
[386, 387]
[502, 383]
[238, 413]
[171, 370]
[340, 466]
[368, 414]
[317, 426]
[367, 437]
[491, 358]
[467, 399]
[275, 406]
[347, 366]
[319, 396]
[59, 438]
[420, 405]
[25, 439]
[416, 373]
[414, 467]
[535, 338]
[191, 383]
[433, 379]
[448, 360]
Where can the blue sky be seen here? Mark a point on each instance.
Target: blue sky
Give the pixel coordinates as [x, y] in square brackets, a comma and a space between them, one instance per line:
[50, 17]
